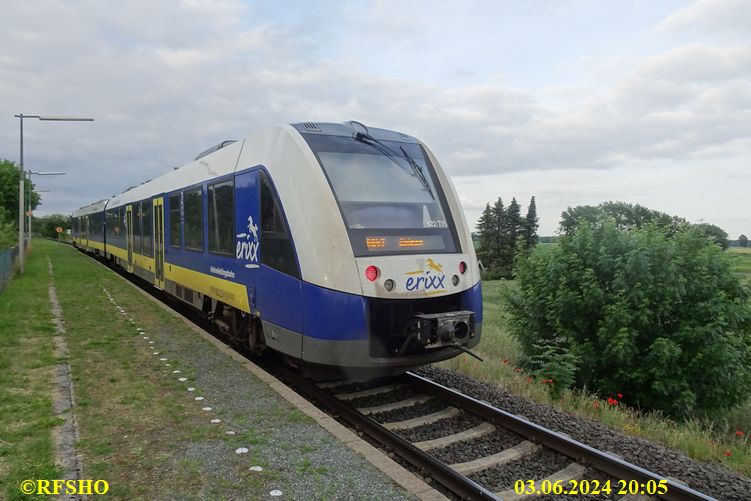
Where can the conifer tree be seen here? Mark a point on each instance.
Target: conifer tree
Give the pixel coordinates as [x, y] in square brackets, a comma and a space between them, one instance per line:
[499, 218]
[531, 223]
[486, 236]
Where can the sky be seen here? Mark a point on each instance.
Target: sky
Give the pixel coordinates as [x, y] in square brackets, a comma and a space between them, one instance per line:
[573, 102]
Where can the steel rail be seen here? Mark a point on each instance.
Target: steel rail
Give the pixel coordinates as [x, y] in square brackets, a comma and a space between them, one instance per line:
[567, 446]
[440, 472]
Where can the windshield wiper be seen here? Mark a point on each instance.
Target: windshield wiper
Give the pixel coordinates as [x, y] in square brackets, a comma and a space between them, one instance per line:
[418, 171]
[414, 168]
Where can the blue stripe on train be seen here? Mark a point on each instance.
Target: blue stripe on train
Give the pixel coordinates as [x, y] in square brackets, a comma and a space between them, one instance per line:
[334, 315]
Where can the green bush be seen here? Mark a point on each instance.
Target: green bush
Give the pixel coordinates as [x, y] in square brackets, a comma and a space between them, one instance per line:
[653, 313]
[8, 232]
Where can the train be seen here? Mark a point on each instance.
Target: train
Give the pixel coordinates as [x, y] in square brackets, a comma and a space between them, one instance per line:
[337, 245]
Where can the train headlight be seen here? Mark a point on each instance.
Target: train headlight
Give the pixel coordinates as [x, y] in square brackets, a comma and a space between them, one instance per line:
[455, 280]
[389, 285]
[372, 272]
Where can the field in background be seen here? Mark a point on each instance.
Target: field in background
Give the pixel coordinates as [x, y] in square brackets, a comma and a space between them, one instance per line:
[699, 439]
[742, 261]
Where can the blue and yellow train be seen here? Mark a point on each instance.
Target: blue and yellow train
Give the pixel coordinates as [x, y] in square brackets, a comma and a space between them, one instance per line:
[337, 245]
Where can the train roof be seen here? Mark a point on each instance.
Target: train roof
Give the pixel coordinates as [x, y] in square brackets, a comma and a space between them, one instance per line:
[221, 160]
[91, 208]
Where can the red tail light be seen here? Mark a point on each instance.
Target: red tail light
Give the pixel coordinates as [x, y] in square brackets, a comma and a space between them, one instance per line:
[372, 272]
[462, 267]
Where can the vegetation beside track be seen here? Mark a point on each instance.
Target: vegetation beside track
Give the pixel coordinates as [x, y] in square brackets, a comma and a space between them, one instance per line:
[715, 441]
[135, 420]
[26, 374]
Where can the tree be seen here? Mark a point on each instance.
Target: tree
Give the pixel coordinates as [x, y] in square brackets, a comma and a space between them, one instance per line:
[9, 191]
[743, 240]
[45, 226]
[499, 219]
[654, 313]
[486, 236]
[531, 224]
[625, 216]
[717, 234]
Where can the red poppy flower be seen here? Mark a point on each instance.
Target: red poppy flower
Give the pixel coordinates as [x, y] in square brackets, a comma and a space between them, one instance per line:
[728, 454]
[504, 361]
[620, 395]
[739, 433]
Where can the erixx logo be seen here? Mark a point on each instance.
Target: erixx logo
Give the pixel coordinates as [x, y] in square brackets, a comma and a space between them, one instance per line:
[431, 281]
[247, 245]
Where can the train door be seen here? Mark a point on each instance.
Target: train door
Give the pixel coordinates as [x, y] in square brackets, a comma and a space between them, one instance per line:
[129, 225]
[86, 230]
[159, 242]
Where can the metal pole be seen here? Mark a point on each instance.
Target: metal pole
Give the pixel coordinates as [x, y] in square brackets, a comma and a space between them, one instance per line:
[21, 204]
[28, 214]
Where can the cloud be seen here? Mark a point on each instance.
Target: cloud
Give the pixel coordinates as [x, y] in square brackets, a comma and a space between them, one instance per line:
[728, 17]
[166, 80]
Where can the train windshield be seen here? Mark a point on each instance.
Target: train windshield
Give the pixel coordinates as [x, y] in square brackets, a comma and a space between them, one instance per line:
[388, 195]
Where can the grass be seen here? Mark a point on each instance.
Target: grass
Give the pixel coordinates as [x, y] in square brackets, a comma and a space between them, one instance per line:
[741, 261]
[702, 440]
[136, 427]
[26, 372]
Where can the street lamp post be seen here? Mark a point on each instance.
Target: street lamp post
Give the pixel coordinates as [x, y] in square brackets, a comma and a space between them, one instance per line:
[28, 213]
[22, 176]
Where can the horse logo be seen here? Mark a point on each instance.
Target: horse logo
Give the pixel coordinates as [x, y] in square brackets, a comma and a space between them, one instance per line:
[247, 249]
[435, 266]
[252, 228]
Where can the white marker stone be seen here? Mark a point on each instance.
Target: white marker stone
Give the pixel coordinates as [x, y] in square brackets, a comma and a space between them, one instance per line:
[229, 432]
[182, 379]
[191, 389]
[162, 359]
[167, 365]
[241, 450]
[151, 342]
[275, 493]
[175, 372]
[207, 408]
[215, 421]
[156, 353]
[256, 468]
[146, 337]
[198, 398]
[139, 329]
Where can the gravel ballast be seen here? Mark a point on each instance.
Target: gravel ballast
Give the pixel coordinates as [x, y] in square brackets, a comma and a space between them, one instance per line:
[490, 444]
[441, 428]
[707, 478]
[539, 465]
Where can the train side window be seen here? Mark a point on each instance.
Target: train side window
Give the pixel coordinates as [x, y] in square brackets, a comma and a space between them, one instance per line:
[193, 211]
[276, 243]
[146, 226]
[221, 200]
[174, 220]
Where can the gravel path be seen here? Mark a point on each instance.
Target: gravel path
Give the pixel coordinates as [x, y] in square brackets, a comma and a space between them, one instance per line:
[707, 478]
[295, 454]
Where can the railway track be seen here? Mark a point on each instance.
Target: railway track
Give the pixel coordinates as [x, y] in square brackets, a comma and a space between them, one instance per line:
[427, 425]
[459, 441]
